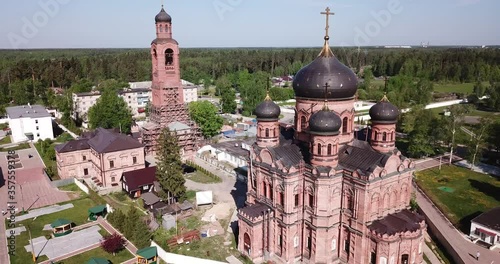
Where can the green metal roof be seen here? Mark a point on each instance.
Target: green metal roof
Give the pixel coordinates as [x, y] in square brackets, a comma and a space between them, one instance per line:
[147, 253]
[97, 209]
[97, 261]
[60, 222]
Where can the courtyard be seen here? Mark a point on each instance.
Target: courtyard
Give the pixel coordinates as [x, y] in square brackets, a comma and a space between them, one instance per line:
[461, 194]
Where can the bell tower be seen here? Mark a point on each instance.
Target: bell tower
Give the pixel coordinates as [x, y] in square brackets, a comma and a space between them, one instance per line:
[167, 86]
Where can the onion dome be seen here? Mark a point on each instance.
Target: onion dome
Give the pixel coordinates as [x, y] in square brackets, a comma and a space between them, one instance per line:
[384, 112]
[325, 70]
[325, 122]
[163, 16]
[267, 110]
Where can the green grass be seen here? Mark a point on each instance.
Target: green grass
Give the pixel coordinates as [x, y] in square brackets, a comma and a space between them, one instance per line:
[120, 200]
[64, 137]
[18, 147]
[206, 248]
[120, 257]
[465, 88]
[5, 140]
[473, 194]
[201, 177]
[74, 189]
[4, 126]
[78, 215]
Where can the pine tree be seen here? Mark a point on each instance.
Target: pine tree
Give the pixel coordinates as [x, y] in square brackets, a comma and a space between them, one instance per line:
[133, 217]
[142, 235]
[169, 167]
[119, 220]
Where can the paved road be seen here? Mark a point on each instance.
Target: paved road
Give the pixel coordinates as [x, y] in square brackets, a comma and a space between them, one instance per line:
[466, 249]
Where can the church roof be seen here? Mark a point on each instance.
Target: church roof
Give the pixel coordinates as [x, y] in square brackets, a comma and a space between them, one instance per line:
[254, 210]
[361, 156]
[399, 222]
[165, 41]
[289, 155]
[106, 141]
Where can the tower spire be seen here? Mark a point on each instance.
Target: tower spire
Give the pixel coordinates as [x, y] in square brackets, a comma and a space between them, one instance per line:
[268, 98]
[326, 51]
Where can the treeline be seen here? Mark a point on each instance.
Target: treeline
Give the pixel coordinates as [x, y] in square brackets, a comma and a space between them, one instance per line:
[25, 75]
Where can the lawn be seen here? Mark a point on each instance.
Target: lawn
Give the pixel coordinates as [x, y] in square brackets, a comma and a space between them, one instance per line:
[120, 200]
[98, 253]
[5, 140]
[461, 194]
[465, 88]
[18, 147]
[78, 215]
[201, 177]
[76, 192]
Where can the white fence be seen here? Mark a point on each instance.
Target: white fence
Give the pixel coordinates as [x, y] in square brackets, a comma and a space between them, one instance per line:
[171, 258]
[81, 186]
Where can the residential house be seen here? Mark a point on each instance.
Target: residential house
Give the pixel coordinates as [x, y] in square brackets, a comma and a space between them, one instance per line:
[485, 228]
[137, 182]
[29, 122]
[102, 156]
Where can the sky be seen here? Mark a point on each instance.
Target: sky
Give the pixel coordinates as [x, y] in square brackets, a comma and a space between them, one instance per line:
[33, 24]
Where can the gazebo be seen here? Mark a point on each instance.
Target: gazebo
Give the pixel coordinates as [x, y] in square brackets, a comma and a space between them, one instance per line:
[97, 211]
[98, 261]
[147, 255]
[61, 227]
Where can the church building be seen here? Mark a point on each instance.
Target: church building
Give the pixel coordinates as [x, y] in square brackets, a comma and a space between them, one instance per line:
[324, 196]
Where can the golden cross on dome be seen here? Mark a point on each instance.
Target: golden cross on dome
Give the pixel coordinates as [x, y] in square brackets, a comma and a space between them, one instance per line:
[268, 98]
[326, 95]
[327, 13]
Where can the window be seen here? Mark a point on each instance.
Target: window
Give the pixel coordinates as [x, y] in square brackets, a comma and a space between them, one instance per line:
[38, 134]
[319, 149]
[254, 183]
[271, 192]
[282, 198]
[267, 132]
[161, 28]
[311, 200]
[384, 136]
[84, 157]
[344, 125]
[329, 149]
[296, 241]
[134, 160]
[309, 243]
[169, 57]
[334, 244]
[296, 200]
[85, 172]
[303, 123]
[112, 179]
[111, 164]
[36, 127]
[265, 189]
[346, 246]
[36, 121]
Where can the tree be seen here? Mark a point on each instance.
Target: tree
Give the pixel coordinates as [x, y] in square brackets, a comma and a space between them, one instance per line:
[112, 85]
[133, 217]
[110, 111]
[228, 95]
[205, 115]
[479, 89]
[113, 243]
[142, 235]
[118, 219]
[478, 139]
[82, 86]
[169, 167]
[457, 113]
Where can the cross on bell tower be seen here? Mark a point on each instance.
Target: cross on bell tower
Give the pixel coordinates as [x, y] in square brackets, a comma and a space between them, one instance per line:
[327, 52]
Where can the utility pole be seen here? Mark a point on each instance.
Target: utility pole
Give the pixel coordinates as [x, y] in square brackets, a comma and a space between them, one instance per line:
[452, 140]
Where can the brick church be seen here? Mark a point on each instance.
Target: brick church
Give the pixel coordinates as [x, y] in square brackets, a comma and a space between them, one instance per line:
[323, 196]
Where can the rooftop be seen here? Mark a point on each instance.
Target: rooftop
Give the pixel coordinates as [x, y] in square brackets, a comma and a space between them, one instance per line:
[490, 219]
[101, 140]
[399, 222]
[137, 178]
[31, 111]
[234, 147]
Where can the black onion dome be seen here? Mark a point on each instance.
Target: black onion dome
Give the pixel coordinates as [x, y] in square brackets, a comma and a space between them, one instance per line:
[163, 17]
[384, 112]
[310, 81]
[325, 122]
[267, 110]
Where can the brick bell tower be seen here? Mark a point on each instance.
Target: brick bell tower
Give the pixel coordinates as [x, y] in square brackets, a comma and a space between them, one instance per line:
[167, 85]
[167, 104]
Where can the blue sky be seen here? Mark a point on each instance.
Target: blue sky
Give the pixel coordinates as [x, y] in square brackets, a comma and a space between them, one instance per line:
[247, 23]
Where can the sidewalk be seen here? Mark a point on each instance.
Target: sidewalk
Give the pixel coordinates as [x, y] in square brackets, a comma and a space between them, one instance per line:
[464, 248]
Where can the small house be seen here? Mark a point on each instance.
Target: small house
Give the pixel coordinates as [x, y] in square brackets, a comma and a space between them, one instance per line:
[485, 228]
[147, 255]
[95, 212]
[61, 227]
[149, 200]
[139, 181]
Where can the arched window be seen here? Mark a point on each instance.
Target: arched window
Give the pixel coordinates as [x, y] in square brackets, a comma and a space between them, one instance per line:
[376, 136]
[344, 125]
[275, 132]
[384, 136]
[303, 123]
[329, 149]
[264, 189]
[169, 57]
[319, 149]
[267, 132]
[161, 28]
